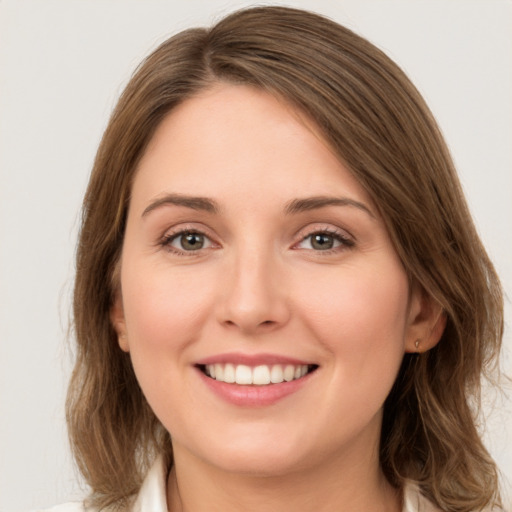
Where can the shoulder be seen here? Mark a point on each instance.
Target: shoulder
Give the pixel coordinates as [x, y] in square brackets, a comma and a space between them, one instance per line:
[414, 501]
[74, 506]
[151, 497]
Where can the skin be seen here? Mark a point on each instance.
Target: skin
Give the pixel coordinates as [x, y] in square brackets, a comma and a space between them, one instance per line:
[260, 285]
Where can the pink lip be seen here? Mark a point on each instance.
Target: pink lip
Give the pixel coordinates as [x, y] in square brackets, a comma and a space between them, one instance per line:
[251, 359]
[251, 395]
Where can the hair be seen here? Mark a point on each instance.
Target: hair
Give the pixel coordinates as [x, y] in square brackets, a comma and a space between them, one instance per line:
[381, 129]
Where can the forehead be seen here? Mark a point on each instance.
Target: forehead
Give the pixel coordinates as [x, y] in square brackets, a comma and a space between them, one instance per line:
[238, 140]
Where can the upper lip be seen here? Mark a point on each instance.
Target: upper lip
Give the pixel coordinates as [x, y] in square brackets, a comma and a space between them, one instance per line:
[251, 359]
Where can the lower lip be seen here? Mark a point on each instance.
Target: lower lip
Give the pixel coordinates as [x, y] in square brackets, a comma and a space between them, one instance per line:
[253, 396]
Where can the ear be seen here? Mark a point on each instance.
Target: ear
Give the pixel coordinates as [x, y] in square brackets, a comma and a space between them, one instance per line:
[426, 322]
[118, 322]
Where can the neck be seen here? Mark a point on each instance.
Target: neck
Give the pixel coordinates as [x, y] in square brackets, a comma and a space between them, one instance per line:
[350, 484]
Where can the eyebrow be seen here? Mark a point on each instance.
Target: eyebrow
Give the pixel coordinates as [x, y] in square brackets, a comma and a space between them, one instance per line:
[196, 203]
[313, 203]
[295, 206]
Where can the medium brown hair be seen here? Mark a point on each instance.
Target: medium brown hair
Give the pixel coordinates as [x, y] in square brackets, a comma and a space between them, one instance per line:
[380, 127]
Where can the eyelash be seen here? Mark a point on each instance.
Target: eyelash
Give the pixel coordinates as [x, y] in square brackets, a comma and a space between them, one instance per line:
[168, 238]
[345, 242]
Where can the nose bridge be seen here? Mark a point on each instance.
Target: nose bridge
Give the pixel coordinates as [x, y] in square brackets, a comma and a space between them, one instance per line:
[254, 297]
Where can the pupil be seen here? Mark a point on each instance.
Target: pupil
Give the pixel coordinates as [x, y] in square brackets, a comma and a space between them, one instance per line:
[322, 241]
[192, 241]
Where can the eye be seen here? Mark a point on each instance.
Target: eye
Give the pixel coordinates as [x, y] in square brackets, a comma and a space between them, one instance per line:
[325, 241]
[187, 241]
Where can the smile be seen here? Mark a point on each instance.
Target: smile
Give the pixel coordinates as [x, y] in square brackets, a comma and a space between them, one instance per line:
[261, 375]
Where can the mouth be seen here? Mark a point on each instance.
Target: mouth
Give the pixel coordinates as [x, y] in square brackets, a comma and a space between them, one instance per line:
[261, 375]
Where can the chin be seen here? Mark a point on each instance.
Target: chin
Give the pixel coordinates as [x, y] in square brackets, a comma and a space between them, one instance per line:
[258, 465]
[266, 459]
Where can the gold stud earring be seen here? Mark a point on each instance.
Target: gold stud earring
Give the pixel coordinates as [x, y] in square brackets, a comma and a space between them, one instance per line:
[417, 344]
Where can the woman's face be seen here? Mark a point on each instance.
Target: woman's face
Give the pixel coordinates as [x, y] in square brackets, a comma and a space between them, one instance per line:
[252, 254]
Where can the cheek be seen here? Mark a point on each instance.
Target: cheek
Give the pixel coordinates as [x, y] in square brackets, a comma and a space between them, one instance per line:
[361, 317]
[361, 321]
[164, 311]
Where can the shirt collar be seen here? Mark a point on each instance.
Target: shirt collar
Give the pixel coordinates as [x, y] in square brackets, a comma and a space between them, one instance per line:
[152, 496]
[414, 501]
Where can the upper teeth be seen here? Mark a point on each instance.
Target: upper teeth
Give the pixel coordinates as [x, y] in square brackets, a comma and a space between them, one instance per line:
[257, 375]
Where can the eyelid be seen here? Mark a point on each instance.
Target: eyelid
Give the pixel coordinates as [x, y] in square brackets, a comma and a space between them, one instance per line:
[180, 229]
[347, 240]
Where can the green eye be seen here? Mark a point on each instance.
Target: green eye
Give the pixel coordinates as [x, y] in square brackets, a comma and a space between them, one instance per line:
[192, 241]
[325, 241]
[189, 241]
[322, 241]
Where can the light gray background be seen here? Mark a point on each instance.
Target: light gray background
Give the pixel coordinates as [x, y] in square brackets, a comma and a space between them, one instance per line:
[62, 66]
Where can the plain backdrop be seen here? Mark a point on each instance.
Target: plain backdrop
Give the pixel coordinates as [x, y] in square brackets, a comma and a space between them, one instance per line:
[63, 63]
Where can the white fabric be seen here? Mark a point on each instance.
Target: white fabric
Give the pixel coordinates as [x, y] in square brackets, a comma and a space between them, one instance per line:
[152, 495]
[414, 501]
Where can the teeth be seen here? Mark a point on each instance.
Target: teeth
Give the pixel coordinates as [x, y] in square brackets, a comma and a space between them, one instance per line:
[243, 374]
[261, 375]
[257, 376]
[289, 372]
[276, 374]
[229, 373]
[219, 371]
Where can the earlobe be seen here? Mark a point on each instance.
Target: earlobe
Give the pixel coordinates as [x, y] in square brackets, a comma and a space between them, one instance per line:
[118, 322]
[426, 323]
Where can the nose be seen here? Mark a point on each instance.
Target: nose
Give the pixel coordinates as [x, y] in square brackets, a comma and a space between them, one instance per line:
[254, 295]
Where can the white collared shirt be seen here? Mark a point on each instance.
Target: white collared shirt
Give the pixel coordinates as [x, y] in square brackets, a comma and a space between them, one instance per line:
[152, 495]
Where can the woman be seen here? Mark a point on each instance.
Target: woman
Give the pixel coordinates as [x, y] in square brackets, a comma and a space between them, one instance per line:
[281, 301]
